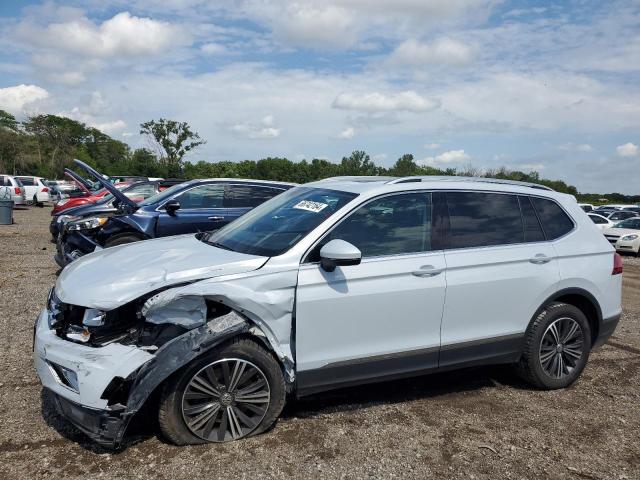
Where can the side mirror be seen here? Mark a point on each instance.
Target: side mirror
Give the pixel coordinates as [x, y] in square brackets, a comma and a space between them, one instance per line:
[171, 206]
[339, 253]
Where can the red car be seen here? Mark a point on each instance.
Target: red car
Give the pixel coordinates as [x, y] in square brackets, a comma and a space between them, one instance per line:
[86, 199]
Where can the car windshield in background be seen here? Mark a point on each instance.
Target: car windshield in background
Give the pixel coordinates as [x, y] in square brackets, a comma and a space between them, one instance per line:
[161, 197]
[632, 223]
[278, 224]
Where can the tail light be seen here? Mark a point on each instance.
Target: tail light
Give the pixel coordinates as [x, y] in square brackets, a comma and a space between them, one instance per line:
[18, 190]
[45, 190]
[617, 264]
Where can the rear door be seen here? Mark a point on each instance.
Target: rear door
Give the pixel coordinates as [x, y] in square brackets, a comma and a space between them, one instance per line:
[500, 269]
[201, 209]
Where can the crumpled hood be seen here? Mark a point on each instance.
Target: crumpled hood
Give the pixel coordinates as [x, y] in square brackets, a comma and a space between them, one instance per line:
[109, 278]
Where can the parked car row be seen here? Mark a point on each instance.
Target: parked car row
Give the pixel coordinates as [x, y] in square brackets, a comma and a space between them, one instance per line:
[311, 288]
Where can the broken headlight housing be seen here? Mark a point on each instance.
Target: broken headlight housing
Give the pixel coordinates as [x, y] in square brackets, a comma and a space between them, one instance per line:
[87, 224]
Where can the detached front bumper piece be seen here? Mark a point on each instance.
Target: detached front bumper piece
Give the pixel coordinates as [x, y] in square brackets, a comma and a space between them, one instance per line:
[105, 427]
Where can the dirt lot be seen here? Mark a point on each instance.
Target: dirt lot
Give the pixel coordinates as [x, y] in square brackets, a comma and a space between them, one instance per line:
[481, 423]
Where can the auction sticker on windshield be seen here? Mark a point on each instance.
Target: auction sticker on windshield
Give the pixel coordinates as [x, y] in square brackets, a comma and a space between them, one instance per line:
[310, 206]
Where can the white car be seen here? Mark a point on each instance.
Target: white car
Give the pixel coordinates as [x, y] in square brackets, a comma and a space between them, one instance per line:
[12, 189]
[601, 221]
[36, 190]
[333, 283]
[625, 235]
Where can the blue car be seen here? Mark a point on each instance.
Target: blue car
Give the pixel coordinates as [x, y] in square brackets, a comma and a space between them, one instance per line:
[190, 207]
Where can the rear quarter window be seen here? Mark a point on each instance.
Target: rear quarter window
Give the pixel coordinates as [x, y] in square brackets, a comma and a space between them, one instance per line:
[555, 221]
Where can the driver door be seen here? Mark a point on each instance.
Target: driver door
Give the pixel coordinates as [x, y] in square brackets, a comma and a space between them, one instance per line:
[201, 209]
[380, 318]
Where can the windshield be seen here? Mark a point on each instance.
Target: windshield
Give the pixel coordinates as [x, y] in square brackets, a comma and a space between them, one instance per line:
[161, 197]
[278, 224]
[632, 223]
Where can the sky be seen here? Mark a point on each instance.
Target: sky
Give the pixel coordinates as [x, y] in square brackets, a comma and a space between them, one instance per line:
[547, 86]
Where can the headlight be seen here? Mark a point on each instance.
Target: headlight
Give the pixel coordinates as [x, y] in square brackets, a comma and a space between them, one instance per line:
[87, 224]
[68, 218]
[628, 238]
[93, 317]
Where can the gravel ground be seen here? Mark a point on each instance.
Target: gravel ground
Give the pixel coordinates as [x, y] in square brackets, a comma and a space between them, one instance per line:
[481, 423]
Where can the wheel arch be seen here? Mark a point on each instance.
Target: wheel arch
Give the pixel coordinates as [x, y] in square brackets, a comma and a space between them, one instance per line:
[582, 299]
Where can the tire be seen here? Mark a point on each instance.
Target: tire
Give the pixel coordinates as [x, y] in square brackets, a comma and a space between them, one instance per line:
[183, 398]
[122, 240]
[540, 362]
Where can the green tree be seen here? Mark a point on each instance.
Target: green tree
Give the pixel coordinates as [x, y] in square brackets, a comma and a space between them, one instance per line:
[405, 166]
[173, 140]
[10, 142]
[358, 163]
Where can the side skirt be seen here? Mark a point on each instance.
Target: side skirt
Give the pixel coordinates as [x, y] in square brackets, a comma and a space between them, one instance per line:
[381, 368]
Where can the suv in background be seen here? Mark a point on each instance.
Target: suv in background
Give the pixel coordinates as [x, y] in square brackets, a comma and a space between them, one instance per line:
[36, 189]
[333, 283]
[12, 189]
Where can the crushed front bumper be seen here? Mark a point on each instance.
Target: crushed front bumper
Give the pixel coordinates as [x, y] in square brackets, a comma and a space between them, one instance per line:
[95, 368]
[71, 246]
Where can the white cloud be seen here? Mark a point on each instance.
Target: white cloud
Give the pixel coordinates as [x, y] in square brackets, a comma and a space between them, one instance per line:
[431, 146]
[347, 133]
[575, 147]
[307, 25]
[408, 101]
[627, 150]
[263, 130]
[121, 36]
[110, 127]
[213, 49]
[445, 51]
[16, 99]
[530, 166]
[447, 158]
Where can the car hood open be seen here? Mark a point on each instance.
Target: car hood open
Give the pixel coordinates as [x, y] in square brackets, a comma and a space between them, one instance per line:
[117, 194]
[109, 278]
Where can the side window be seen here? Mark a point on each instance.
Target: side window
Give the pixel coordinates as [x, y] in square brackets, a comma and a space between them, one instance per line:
[392, 225]
[141, 191]
[248, 196]
[204, 196]
[555, 221]
[483, 219]
[596, 219]
[3, 181]
[532, 229]
[26, 181]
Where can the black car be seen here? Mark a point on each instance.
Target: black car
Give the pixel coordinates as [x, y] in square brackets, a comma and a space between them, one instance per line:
[190, 207]
[108, 205]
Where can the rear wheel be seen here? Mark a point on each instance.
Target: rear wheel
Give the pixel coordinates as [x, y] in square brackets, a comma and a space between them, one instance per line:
[122, 240]
[557, 347]
[232, 393]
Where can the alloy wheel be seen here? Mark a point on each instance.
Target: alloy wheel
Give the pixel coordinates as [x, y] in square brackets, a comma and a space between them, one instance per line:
[561, 348]
[226, 400]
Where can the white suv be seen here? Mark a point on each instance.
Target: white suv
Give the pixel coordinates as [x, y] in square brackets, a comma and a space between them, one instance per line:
[36, 190]
[334, 283]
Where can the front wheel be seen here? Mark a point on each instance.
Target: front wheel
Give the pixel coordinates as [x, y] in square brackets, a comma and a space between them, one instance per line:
[235, 392]
[557, 347]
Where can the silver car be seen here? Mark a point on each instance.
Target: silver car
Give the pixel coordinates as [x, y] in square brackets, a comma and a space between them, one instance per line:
[12, 189]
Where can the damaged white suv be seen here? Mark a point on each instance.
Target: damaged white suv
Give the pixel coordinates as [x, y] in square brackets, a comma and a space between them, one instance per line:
[335, 283]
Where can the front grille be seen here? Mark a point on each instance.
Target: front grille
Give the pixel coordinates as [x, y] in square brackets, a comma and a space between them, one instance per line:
[612, 238]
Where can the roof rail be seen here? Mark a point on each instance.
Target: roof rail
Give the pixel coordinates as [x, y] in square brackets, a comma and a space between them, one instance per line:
[438, 178]
[359, 178]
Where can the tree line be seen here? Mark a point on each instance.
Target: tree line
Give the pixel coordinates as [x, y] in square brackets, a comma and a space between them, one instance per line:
[44, 144]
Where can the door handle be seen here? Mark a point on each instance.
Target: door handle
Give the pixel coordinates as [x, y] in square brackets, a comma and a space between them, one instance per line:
[540, 259]
[427, 271]
[216, 219]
